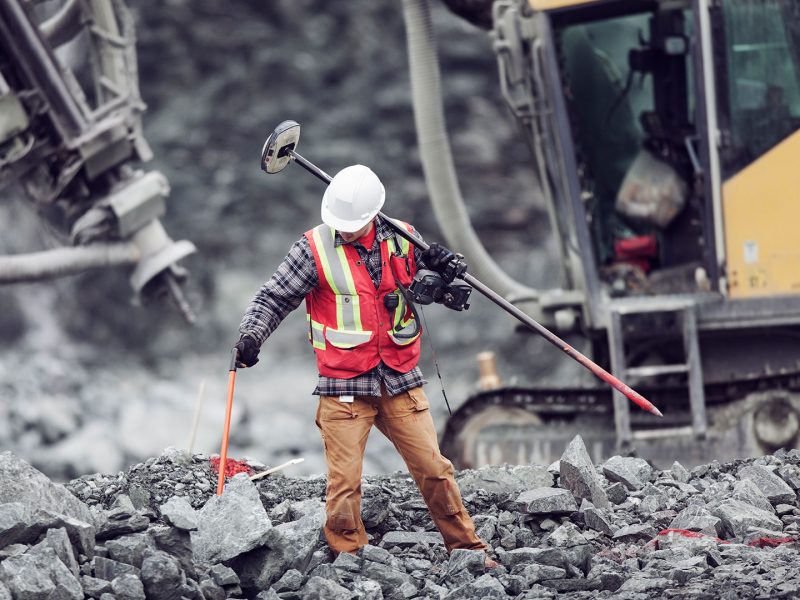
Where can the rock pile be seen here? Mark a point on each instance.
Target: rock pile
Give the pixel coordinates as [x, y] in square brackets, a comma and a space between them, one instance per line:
[574, 530]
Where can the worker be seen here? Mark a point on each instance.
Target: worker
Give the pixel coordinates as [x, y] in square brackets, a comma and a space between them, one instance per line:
[349, 270]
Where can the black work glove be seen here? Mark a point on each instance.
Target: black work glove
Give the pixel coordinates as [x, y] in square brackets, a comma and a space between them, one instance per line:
[248, 350]
[437, 257]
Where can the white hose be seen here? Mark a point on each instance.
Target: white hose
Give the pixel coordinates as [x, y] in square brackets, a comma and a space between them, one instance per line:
[65, 261]
[437, 158]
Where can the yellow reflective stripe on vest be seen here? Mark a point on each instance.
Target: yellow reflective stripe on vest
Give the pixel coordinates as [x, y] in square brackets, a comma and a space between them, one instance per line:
[401, 325]
[348, 310]
[336, 270]
[317, 335]
[398, 323]
[404, 245]
[323, 258]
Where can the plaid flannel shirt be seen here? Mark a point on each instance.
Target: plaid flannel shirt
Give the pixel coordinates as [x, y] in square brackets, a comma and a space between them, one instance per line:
[297, 276]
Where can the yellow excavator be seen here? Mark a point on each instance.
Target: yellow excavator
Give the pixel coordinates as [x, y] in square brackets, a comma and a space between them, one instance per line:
[666, 145]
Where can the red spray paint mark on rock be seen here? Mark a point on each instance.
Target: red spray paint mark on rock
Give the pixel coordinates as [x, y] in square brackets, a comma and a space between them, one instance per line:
[691, 534]
[232, 466]
[683, 533]
[762, 542]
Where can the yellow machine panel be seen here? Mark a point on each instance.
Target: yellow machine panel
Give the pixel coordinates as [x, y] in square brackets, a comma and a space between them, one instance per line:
[761, 207]
[551, 4]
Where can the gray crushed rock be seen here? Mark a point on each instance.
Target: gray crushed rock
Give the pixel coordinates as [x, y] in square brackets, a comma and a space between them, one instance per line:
[700, 533]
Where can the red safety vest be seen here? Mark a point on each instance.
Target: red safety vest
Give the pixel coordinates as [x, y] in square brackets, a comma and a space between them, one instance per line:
[349, 326]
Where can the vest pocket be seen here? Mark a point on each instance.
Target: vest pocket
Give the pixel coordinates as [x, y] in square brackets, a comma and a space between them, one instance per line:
[346, 339]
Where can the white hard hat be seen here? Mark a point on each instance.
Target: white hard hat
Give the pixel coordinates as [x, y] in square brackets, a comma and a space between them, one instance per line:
[354, 196]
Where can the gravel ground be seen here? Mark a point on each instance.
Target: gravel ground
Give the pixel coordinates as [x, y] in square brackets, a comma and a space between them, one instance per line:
[621, 529]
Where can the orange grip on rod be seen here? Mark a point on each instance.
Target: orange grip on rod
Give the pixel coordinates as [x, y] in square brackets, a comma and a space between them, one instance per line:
[223, 453]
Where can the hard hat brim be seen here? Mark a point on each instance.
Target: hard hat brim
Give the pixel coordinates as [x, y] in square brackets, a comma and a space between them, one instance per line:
[346, 226]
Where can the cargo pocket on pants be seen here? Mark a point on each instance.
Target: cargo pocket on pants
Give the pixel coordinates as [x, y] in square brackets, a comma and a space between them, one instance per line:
[418, 401]
[442, 496]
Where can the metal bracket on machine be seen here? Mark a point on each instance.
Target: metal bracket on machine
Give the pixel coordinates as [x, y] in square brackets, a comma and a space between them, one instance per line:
[159, 252]
[512, 32]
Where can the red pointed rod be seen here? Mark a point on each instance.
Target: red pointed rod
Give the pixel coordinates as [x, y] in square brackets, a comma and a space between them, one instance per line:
[618, 385]
[599, 371]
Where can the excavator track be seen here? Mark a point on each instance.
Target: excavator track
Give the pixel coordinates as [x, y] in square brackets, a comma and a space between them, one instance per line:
[526, 424]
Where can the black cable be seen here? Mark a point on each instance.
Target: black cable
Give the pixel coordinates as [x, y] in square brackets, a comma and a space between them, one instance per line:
[435, 362]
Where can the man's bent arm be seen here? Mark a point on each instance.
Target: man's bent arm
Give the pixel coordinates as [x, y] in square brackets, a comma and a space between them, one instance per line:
[295, 277]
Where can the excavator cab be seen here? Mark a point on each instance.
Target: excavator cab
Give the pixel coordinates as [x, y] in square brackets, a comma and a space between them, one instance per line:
[631, 107]
[644, 115]
[665, 137]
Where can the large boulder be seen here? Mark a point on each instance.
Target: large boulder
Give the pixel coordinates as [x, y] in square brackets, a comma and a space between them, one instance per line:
[774, 488]
[128, 587]
[286, 546]
[747, 490]
[58, 541]
[81, 533]
[599, 520]
[20, 482]
[577, 474]
[295, 541]
[14, 523]
[635, 533]
[231, 524]
[39, 575]
[738, 517]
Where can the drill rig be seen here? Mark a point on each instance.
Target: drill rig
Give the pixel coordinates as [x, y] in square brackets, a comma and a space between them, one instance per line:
[665, 142]
[70, 137]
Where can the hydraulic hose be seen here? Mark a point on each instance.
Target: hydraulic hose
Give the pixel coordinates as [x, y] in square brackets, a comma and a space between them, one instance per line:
[437, 157]
[65, 261]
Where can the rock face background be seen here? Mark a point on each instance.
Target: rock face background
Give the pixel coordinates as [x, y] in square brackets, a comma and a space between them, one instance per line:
[88, 383]
[158, 531]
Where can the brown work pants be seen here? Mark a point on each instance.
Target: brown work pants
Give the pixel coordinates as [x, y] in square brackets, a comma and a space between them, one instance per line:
[406, 421]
